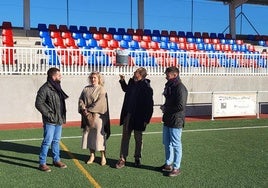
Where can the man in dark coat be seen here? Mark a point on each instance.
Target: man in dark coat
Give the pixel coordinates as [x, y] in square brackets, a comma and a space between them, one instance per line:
[136, 113]
[50, 102]
[173, 120]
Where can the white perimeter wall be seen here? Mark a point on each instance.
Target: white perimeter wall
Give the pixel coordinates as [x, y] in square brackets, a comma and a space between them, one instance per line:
[18, 92]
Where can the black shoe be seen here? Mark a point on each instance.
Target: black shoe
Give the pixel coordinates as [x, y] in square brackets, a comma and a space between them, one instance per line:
[137, 163]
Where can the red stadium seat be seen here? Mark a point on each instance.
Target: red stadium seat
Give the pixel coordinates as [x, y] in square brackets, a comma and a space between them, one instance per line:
[8, 57]
[154, 45]
[70, 42]
[107, 36]
[55, 34]
[174, 39]
[7, 32]
[215, 40]
[63, 28]
[137, 37]
[173, 34]
[139, 32]
[58, 42]
[103, 43]
[52, 27]
[130, 31]
[93, 29]
[197, 35]
[7, 41]
[182, 39]
[146, 38]
[205, 35]
[113, 44]
[144, 44]
[103, 30]
[164, 33]
[6, 25]
[97, 36]
[66, 34]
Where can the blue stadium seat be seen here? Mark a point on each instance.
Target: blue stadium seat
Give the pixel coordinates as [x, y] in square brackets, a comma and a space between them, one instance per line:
[81, 42]
[43, 33]
[76, 35]
[112, 30]
[83, 29]
[190, 39]
[87, 36]
[156, 38]
[127, 37]
[147, 32]
[134, 45]
[124, 44]
[189, 34]
[92, 43]
[118, 37]
[209, 47]
[261, 43]
[47, 42]
[53, 57]
[181, 34]
[164, 45]
[221, 36]
[200, 46]
[173, 46]
[156, 32]
[73, 28]
[213, 35]
[42, 27]
[164, 38]
[121, 31]
[198, 40]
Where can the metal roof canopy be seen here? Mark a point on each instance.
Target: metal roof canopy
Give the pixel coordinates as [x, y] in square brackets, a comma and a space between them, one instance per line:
[233, 4]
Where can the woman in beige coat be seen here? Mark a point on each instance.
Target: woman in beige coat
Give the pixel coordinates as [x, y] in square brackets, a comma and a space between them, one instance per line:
[93, 107]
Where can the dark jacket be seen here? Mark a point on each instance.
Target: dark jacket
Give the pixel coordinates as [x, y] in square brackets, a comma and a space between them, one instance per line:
[174, 108]
[48, 104]
[138, 101]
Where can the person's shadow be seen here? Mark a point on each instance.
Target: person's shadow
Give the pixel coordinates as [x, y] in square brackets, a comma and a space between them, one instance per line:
[19, 160]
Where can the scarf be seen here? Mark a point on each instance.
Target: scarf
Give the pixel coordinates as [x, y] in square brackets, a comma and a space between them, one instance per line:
[170, 83]
[61, 93]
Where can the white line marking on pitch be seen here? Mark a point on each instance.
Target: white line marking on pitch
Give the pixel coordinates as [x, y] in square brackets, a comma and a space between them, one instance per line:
[195, 130]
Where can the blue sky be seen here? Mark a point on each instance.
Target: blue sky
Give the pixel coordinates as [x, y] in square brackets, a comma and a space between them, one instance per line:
[169, 15]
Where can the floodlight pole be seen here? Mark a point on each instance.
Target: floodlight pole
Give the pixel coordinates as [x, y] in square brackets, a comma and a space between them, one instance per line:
[67, 2]
[131, 13]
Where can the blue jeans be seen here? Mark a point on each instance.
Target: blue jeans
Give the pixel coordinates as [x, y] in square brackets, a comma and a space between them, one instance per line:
[173, 146]
[52, 136]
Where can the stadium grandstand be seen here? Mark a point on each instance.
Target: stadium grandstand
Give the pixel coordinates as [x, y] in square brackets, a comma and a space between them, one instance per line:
[209, 62]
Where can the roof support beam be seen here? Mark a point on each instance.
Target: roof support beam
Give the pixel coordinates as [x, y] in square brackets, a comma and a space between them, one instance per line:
[232, 22]
[141, 14]
[26, 15]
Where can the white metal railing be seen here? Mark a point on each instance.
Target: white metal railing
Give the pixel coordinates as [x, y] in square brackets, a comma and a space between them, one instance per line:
[31, 61]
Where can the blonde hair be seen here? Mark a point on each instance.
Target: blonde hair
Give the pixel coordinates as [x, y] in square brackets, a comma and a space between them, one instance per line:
[101, 81]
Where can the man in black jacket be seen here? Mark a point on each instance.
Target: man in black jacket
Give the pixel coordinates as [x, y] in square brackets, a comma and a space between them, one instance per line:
[136, 113]
[50, 102]
[173, 120]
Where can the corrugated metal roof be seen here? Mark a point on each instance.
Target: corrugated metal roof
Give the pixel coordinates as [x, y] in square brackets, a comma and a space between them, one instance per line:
[257, 2]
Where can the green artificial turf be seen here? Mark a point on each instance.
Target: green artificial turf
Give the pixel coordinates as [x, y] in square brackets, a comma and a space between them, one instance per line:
[221, 153]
